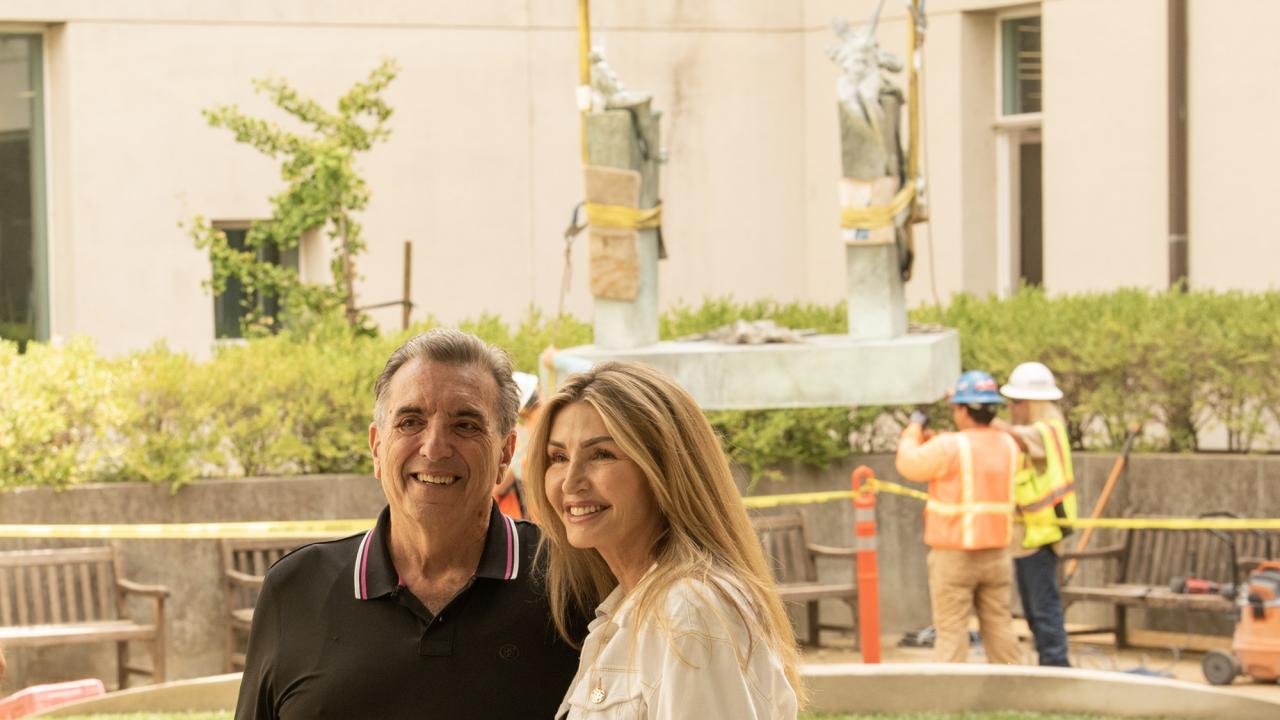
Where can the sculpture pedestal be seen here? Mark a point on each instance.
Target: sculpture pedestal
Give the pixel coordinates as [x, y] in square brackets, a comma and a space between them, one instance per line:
[824, 371]
[877, 305]
[612, 142]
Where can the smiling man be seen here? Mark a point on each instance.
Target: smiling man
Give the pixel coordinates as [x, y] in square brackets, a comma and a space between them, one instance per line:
[437, 611]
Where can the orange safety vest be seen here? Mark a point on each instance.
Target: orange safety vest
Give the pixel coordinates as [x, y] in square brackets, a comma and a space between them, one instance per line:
[971, 507]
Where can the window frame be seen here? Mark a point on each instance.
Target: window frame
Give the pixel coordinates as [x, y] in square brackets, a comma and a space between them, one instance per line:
[42, 250]
[1012, 131]
[1016, 13]
[238, 225]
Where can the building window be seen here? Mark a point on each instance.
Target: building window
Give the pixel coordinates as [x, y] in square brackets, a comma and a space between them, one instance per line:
[229, 305]
[1020, 178]
[1020, 65]
[24, 294]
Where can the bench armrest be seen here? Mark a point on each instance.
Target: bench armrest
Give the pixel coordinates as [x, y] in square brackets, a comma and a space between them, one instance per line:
[235, 577]
[1248, 563]
[830, 551]
[1102, 552]
[133, 588]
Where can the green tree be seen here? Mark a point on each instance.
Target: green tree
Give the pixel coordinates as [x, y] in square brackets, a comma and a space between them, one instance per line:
[324, 190]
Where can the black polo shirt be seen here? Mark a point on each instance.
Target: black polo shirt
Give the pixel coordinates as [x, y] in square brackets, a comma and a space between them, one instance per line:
[335, 635]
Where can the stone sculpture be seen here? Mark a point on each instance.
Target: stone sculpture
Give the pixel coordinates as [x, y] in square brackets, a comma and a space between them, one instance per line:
[870, 110]
[870, 106]
[607, 91]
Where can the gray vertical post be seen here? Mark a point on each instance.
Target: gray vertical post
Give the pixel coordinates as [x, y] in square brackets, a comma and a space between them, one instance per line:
[877, 306]
[612, 142]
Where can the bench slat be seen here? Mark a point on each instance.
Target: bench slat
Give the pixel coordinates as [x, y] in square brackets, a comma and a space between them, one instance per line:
[6, 605]
[38, 635]
[36, 597]
[55, 598]
[105, 585]
[86, 593]
[69, 593]
[817, 591]
[23, 558]
[20, 598]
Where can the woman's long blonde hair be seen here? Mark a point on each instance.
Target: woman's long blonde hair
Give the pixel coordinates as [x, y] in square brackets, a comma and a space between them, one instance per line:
[1043, 410]
[706, 533]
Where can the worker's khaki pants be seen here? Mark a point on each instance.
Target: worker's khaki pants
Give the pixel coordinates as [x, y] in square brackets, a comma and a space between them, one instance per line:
[961, 581]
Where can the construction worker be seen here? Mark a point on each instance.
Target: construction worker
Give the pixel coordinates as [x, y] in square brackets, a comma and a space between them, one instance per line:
[1045, 490]
[508, 492]
[967, 520]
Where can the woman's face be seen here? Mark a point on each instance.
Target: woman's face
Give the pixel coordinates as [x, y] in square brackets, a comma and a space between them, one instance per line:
[600, 495]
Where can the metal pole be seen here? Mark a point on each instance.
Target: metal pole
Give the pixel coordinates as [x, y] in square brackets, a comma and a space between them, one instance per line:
[408, 283]
[1179, 269]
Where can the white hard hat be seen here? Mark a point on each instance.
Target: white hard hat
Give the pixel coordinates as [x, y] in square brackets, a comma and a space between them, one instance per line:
[528, 385]
[1031, 381]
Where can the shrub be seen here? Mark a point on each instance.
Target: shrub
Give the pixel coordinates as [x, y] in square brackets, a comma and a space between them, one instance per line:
[301, 401]
[57, 410]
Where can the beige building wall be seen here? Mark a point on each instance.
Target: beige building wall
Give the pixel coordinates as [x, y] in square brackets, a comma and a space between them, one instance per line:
[1234, 101]
[482, 169]
[1106, 145]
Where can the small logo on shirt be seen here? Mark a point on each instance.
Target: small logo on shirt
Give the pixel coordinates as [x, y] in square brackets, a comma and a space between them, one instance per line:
[508, 652]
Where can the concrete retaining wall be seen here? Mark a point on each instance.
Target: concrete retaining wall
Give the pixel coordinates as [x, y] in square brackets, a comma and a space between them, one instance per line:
[1173, 484]
[190, 568]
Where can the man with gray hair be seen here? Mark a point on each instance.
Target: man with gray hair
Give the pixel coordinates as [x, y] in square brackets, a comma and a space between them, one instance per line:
[438, 611]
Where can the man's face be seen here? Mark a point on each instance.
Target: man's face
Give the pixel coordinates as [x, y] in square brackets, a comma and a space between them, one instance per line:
[437, 451]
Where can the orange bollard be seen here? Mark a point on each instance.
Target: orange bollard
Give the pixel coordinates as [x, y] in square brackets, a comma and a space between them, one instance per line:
[864, 544]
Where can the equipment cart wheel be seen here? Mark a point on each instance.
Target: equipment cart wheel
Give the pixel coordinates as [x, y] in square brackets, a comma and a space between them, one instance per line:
[1219, 667]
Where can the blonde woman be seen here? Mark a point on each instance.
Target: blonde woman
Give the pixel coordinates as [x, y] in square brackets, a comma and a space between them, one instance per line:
[1045, 490]
[642, 521]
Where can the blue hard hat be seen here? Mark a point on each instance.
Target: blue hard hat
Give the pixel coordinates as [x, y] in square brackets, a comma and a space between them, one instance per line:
[977, 387]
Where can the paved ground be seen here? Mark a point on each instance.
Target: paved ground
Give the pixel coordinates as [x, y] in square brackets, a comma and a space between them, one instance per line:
[1093, 653]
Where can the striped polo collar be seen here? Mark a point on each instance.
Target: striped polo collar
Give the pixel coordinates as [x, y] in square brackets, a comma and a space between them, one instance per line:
[375, 575]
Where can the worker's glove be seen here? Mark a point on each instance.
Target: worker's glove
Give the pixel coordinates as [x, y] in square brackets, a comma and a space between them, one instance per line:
[919, 418]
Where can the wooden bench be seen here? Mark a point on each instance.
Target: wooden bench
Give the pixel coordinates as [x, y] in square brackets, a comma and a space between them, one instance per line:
[1145, 561]
[73, 595]
[244, 567]
[785, 539]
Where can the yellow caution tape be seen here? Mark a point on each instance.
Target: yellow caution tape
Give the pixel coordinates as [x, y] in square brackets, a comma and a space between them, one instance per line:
[875, 485]
[878, 485]
[623, 217]
[1165, 523]
[877, 216]
[323, 529]
[319, 529]
[769, 501]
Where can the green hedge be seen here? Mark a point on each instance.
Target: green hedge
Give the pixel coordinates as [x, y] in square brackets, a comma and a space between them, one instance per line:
[300, 402]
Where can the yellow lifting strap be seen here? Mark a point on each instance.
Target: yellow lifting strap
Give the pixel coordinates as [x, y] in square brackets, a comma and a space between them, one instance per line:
[584, 69]
[877, 216]
[623, 217]
[598, 215]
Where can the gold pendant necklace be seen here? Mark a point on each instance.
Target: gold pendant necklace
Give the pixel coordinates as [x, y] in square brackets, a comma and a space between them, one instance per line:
[598, 694]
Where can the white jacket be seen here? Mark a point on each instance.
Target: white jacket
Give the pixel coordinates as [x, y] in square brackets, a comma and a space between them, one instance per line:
[689, 669]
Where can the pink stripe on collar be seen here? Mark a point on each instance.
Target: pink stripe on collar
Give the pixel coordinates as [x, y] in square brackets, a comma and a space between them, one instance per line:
[511, 531]
[364, 566]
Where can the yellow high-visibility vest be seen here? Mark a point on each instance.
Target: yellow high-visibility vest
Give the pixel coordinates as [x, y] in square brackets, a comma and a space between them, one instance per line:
[1047, 495]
